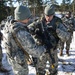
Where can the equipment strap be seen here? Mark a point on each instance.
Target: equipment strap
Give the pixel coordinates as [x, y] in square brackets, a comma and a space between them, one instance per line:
[18, 43]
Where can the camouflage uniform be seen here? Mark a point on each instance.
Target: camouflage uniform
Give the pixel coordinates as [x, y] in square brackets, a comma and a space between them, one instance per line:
[69, 23]
[17, 57]
[52, 26]
[48, 33]
[1, 37]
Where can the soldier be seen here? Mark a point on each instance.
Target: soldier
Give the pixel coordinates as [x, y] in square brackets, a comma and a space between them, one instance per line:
[19, 43]
[68, 21]
[46, 32]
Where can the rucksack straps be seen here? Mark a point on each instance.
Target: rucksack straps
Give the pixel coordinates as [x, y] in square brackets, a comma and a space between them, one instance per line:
[18, 43]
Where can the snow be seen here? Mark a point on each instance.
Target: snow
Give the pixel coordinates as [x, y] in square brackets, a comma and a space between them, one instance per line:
[66, 64]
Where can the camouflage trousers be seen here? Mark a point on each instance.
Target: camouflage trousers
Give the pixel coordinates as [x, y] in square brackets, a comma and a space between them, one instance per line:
[19, 64]
[43, 64]
[68, 42]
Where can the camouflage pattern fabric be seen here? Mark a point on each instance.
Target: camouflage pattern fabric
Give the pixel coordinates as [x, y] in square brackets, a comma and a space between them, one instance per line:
[69, 23]
[67, 43]
[20, 66]
[16, 56]
[42, 63]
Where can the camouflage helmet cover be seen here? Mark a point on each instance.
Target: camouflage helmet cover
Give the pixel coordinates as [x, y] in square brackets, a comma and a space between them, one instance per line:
[22, 12]
[49, 10]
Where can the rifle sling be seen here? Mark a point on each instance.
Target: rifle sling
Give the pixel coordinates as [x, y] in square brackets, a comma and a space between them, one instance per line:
[18, 43]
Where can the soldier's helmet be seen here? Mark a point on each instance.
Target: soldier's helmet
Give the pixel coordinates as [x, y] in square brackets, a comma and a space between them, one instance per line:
[49, 10]
[22, 12]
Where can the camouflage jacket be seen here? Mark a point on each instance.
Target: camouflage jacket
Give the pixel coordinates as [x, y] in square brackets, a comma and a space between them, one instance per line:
[24, 38]
[69, 23]
[56, 28]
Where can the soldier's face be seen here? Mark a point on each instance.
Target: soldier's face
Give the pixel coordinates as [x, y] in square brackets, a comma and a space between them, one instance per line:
[25, 21]
[48, 18]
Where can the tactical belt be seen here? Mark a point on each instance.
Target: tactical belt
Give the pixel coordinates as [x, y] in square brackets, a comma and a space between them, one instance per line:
[19, 45]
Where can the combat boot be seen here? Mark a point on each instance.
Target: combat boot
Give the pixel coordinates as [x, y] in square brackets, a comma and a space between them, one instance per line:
[67, 52]
[61, 53]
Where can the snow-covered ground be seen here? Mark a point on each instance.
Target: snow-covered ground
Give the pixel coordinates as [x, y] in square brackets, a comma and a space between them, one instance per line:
[66, 64]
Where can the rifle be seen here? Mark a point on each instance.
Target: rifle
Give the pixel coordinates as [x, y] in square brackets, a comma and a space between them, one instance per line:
[47, 40]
